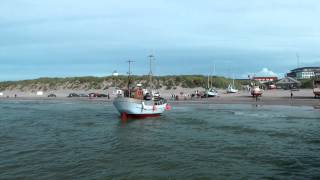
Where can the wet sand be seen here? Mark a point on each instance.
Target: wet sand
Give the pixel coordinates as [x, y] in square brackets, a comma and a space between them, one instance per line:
[295, 101]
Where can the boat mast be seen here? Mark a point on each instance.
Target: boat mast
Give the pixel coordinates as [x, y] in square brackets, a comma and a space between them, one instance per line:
[129, 77]
[151, 58]
[208, 85]
[214, 72]
[232, 80]
[210, 78]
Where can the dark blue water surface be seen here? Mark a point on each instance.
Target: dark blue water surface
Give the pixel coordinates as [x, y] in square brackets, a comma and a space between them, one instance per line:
[60, 139]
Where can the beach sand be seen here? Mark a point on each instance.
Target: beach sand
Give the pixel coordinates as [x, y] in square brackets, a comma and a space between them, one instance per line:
[303, 97]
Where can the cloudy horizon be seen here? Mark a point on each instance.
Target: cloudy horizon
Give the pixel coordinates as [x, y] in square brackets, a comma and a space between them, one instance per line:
[73, 38]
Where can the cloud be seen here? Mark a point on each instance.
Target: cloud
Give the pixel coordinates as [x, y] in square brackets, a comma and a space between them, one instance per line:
[263, 72]
[266, 72]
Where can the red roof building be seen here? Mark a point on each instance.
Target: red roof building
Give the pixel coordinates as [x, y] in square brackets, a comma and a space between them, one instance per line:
[265, 79]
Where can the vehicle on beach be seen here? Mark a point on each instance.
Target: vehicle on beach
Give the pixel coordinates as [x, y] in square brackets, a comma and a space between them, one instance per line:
[93, 95]
[83, 95]
[139, 103]
[316, 88]
[52, 95]
[272, 86]
[102, 95]
[73, 95]
[256, 91]
[39, 93]
[97, 95]
[118, 92]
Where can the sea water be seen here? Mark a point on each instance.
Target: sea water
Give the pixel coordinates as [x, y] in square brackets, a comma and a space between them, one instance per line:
[73, 139]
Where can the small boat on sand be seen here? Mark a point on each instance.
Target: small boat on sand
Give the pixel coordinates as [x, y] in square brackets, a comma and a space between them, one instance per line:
[211, 92]
[231, 89]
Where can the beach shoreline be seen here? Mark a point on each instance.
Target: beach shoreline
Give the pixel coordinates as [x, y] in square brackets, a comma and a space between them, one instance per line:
[303, 97]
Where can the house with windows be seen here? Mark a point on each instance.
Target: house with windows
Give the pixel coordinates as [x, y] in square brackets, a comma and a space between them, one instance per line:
[304, 72]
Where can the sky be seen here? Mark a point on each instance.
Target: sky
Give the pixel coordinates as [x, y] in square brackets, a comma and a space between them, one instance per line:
[94, 38]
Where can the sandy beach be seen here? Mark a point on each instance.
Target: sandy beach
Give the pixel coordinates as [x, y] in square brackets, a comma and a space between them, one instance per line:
[303, 97]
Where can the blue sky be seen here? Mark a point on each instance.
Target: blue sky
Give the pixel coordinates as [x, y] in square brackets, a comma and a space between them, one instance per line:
[78, 38]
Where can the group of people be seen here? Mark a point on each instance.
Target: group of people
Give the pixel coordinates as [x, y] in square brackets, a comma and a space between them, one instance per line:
[183, 96]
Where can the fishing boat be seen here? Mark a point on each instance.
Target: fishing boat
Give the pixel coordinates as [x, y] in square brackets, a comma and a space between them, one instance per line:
[140, 103]
[316, 87]
[256, 91]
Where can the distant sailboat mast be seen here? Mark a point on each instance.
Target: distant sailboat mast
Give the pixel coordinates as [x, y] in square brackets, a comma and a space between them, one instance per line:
[214, 72]
[233, 80]
[210, 77]
[208, 83]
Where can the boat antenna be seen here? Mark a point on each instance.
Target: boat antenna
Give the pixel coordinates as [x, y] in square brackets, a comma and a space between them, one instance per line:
[151, 58]
[129, 76]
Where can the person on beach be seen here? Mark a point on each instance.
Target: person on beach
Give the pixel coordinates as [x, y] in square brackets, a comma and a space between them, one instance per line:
[291, 94]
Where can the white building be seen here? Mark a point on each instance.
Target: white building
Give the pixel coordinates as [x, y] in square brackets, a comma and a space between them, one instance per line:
[304, 72]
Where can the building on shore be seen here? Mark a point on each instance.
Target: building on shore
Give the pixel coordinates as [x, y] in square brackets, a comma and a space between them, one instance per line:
[288, 83]
[304, 72]
[263, 80]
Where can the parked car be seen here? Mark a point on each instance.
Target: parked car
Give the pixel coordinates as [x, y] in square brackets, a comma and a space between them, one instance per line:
[83, 95]
[93, 95]
[102, 95]
[73, 95]
[52, 95]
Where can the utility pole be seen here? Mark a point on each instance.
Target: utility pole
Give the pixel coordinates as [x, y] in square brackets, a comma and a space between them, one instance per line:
[129, 62]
